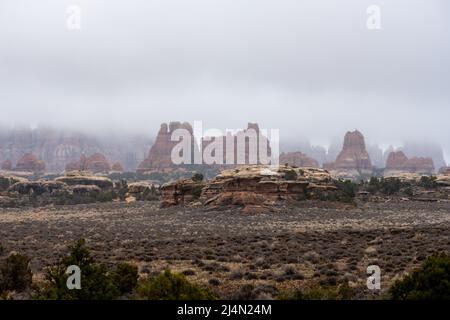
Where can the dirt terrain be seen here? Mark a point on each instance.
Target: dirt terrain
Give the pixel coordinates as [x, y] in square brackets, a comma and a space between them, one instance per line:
[275, 252]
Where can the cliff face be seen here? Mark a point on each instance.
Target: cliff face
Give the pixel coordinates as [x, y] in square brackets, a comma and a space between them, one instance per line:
[58, 148]
[398, 162]
[353, 160]
[159, 156]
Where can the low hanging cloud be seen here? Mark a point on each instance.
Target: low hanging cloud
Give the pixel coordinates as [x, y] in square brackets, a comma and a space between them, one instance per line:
[310, 68]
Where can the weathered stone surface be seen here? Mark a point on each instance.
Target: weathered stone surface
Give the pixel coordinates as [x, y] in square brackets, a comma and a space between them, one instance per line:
[29, 162]
[354, 160]
[252, 188]
[85, 178]
[159, 156]
[298, 159]
[398, 162]
[85, 189]
[445, 171]
[180, 192]
[38, 187]
[139, 187]
[7, 165]
[7, 181]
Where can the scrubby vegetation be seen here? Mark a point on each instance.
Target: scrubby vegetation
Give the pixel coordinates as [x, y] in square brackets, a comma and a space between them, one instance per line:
[317, 292]
[430, 281]
[15, 273]
[172, 286]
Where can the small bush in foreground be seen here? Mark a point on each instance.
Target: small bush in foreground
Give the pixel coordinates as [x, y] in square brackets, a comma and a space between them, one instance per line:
[172, 286]
[429, 282]
[15, 273]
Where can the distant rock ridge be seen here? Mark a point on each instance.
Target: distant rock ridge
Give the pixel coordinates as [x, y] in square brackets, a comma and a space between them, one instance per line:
[398, 162]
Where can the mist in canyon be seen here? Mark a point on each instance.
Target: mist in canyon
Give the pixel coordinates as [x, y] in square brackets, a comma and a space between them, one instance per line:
[311, 69]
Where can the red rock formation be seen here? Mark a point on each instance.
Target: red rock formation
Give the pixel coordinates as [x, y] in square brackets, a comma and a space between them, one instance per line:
[354, 159]
[7, 165]
[251, 137]
[159, 156]
[29, 162]
[95, 163]
[298, 159]
[398, 162]
[117, 167]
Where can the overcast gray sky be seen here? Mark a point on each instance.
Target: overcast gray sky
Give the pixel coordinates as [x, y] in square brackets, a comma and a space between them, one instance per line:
[310, 68]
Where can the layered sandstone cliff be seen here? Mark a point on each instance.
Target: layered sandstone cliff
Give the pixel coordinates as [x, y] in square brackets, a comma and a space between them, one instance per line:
[354, 160]
[159, 156]
[397, 162]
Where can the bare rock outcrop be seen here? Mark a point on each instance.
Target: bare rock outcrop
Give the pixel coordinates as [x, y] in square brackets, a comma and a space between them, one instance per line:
[252, 188]
[397, 162]
[29, 162]
[298, 159]
[354, 160]
[445, 171]
[85, 178]
[159, 156]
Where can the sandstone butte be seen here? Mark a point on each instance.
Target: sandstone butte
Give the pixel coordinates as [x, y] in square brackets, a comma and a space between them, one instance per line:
[398, 162]
[96, 163]
[159, 156]
[354, 160]
[211, 143]
[29, 162]
[298, 159]
[251, 188]
[445, 171]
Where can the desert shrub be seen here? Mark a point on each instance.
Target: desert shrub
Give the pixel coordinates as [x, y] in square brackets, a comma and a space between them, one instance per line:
[390, 186]
[346, 190]
[172, 286]
[428, 182]
[197, 177]
[96, 282]
[290, 175]
[15, 273]
[197, 191]
[4, 183]
[125, 277]
[430, 281]
[408, 191]
[315, 292]
[374, 185]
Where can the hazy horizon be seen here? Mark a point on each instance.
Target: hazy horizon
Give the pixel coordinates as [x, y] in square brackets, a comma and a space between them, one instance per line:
[311, 69]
